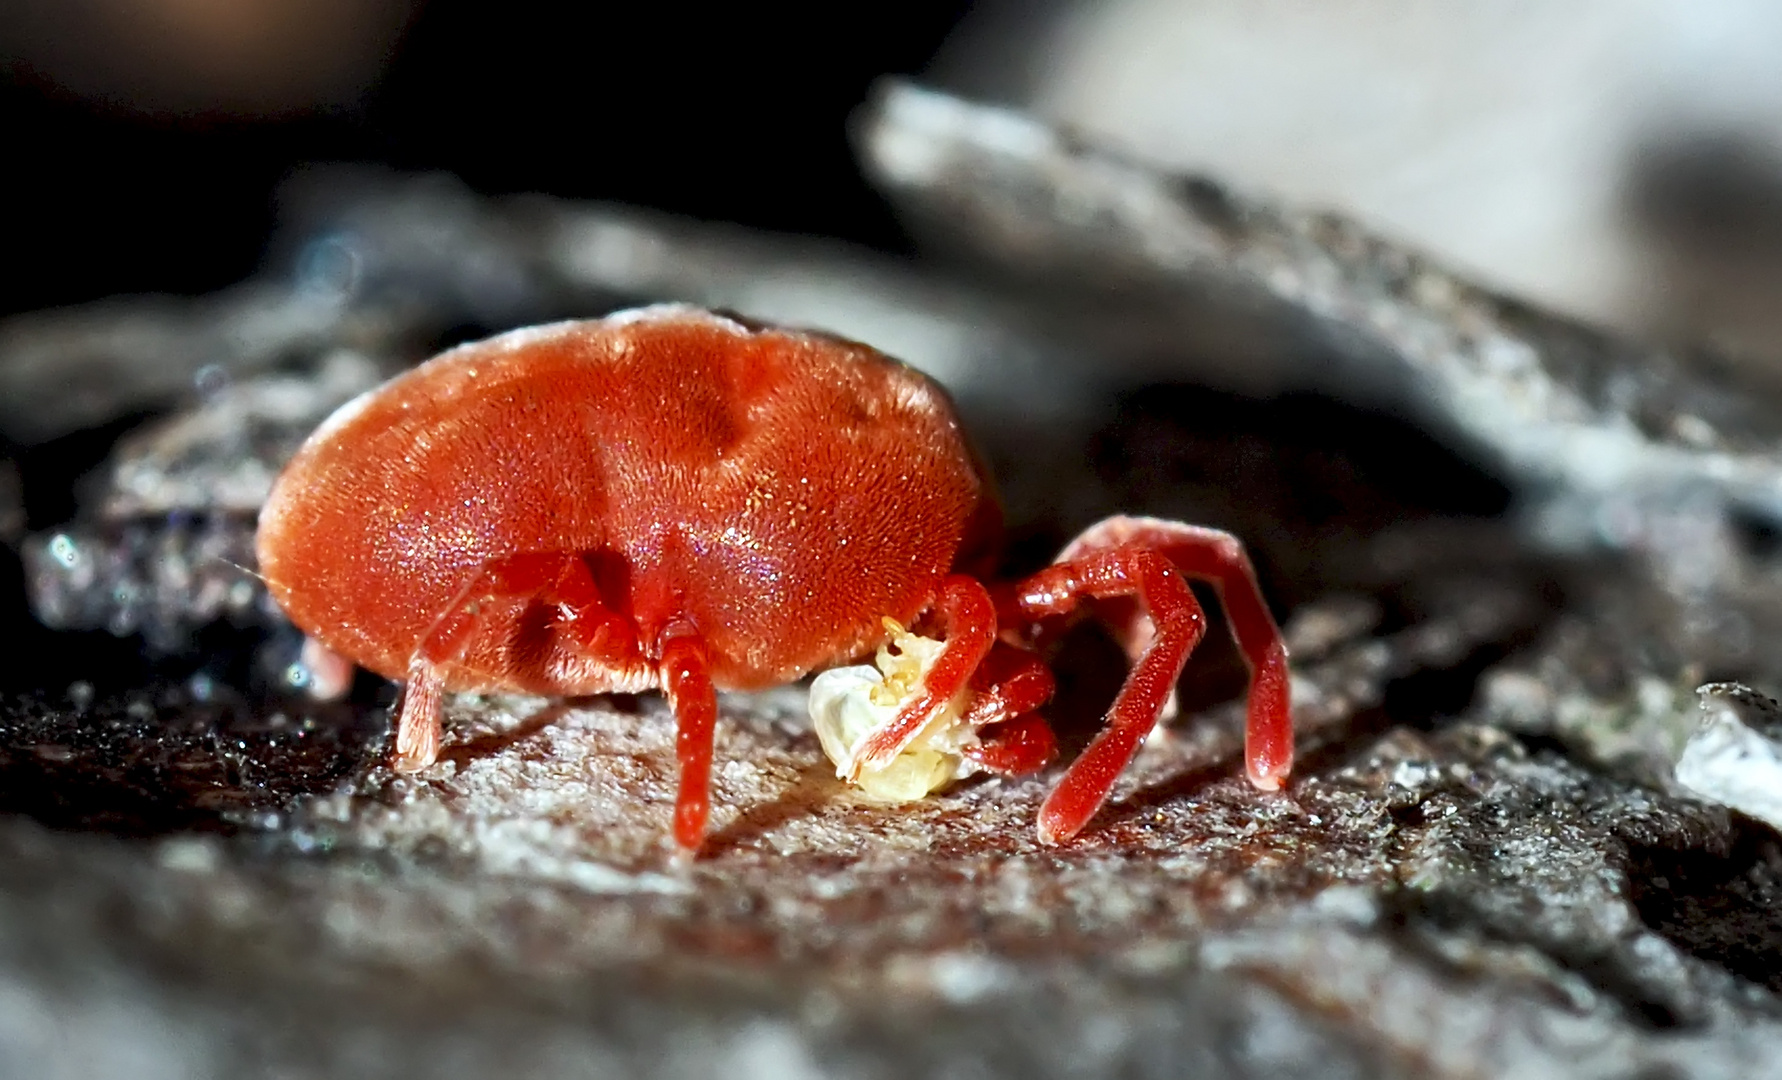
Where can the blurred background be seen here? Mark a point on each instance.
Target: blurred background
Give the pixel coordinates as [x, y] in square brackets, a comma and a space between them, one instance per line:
[145, 137]
[1620, 159]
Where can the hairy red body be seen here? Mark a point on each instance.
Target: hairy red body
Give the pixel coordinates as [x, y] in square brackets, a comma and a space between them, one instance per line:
[758, 483]
[667, 498]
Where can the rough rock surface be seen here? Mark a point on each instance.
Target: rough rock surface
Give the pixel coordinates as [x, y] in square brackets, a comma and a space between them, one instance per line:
[1483, 866]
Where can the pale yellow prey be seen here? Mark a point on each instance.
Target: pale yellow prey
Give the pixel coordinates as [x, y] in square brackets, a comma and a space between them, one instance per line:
[849, 704]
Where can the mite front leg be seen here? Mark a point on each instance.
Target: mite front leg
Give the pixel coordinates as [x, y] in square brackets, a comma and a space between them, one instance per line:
[1179, 625]
[687, 680]
[1218, 558]
[559, 577]
[1006, 689]
[969, 621]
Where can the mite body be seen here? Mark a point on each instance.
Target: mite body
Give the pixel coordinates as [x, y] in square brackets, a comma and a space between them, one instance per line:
[671, 499]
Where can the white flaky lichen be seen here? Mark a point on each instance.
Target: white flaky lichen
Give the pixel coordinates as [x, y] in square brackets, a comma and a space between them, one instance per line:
[849, 704]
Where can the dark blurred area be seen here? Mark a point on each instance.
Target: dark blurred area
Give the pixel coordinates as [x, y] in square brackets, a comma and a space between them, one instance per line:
[146, 138]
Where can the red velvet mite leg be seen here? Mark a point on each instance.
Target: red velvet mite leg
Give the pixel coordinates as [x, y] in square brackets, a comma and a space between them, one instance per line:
[330, 674]
[580, 606]
[1008, 682]
[1015, 747]
[686, 678]
[969, 619]
[1219, 558]
[418, 724]
[530, 575]
[1008, 686]
[1179, 625]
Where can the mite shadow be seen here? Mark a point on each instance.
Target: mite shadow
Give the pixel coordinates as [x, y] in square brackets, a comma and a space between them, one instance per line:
[814, 791]
[462, 754]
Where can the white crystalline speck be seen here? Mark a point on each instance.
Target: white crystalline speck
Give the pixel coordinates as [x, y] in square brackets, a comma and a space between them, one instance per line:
[1729, 763]
[848, 704]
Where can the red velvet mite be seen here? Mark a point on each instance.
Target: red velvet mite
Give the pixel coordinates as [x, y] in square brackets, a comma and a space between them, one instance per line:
[668, 498]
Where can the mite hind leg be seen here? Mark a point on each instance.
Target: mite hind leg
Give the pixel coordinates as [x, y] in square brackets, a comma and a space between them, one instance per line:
[560, 578]
[327, 675]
